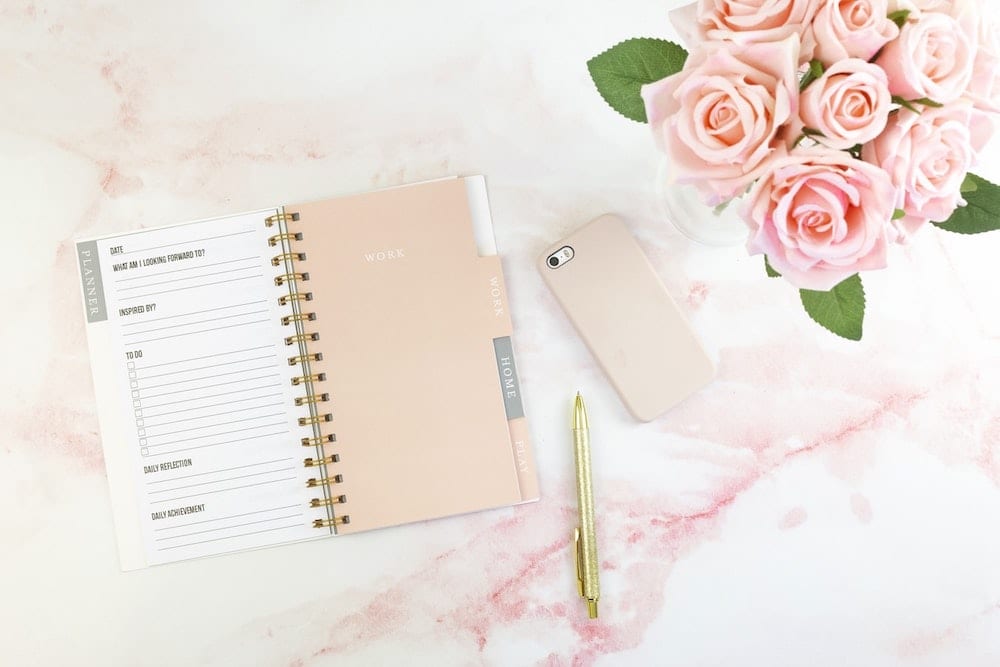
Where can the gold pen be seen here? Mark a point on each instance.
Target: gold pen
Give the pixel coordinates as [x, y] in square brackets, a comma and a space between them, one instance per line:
[585, 537]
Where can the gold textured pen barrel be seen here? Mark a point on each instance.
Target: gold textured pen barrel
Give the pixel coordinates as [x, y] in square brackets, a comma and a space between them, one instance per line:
[586, 556]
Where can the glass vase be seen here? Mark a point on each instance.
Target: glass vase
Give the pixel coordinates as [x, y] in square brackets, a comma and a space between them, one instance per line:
[682, 206]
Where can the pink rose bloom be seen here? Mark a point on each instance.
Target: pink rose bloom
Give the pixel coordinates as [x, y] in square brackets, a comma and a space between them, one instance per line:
[747, 21]
[851, 29]
[981, 22]
[849, 104]
[718, 119]
[927, 156]
[978, 20]
[820, 216]
[932, 58]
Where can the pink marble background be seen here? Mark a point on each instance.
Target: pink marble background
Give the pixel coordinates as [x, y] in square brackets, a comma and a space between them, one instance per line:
[822, 503]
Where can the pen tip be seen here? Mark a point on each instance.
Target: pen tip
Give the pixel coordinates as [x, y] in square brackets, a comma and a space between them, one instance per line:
[579, 413]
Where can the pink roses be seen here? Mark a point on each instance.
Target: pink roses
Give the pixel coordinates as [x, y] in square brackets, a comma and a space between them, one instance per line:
[852, 29]
[848, 105]
[932, 59]
[820, 216]
[927, 156]
[851, 122]
[718, 120]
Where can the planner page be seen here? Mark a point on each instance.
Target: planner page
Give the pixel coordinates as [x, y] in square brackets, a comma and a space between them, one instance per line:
[195, 390]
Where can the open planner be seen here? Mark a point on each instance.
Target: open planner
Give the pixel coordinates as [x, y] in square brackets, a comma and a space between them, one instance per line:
[305, 371]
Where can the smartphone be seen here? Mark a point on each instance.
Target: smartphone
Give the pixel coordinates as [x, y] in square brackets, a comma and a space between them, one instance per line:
[609, 290]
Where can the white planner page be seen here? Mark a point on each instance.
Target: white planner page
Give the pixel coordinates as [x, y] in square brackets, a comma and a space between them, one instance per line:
[194, 390]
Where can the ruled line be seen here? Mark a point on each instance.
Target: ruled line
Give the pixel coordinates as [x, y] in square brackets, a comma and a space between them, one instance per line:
[189, 333]
[215, 414]
[235, 525]
[202, 437]
[209, 435]
[224, 518]
[186, 242]
[234, 488]
[188, 324]
[201, 368]
[256, 532]
[194, 312]
[217, 384]
[190, 268]
[222, 481]
[213, 472]
[200, 398]
[181, 289]
[171, 281]
[226, 442]
[146, 415]
[210, 377]
[207, 356]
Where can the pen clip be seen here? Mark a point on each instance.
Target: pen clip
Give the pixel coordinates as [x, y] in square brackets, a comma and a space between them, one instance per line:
[578, 554]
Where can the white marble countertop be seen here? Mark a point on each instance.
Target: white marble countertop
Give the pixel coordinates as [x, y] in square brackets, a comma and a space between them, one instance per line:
[822, 503]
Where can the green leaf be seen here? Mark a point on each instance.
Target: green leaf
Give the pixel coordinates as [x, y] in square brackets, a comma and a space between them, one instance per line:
[981, 214]
[899, 16]
[906, 104]
[968, 185]
[623, 69]
[771, 273]
[898, 213]
[814, 72]
[928, 102]
[810, 132]
[841, 310]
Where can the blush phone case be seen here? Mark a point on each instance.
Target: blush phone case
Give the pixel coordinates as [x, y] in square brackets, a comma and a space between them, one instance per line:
[627, 318]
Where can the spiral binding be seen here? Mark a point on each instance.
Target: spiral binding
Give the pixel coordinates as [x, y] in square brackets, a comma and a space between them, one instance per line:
[296, 299]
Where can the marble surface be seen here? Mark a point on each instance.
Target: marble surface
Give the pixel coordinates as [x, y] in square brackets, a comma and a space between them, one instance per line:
[822, 503]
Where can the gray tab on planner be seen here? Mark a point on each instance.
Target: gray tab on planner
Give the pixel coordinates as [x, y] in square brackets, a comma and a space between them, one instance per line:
[509, 383]
[93, 286]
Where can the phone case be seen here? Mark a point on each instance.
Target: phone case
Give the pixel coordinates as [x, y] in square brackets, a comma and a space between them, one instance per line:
[627, 318]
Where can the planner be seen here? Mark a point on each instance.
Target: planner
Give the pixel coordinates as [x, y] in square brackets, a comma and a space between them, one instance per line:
[308, 370]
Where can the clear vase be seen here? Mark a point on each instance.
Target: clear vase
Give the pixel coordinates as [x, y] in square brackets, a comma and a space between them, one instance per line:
[682, 206]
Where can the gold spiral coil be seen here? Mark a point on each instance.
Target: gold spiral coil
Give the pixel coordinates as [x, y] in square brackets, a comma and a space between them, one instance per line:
[301, 338]
[335, 521]
[278, 260]
[312, 398]
[299, 358]
[320, 441]
[283, 237]
[272, 220]
[290, 277]
[332, 500]
[286, 299]
[324, 481]
[287, 259]
[298, 317]
[315, 419]
[315, 377]
[312, 463]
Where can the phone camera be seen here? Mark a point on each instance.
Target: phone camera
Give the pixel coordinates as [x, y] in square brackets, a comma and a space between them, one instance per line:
[560, 257]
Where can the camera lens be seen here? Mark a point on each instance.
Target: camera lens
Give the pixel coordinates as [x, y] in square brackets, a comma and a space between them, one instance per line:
[553, 261]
